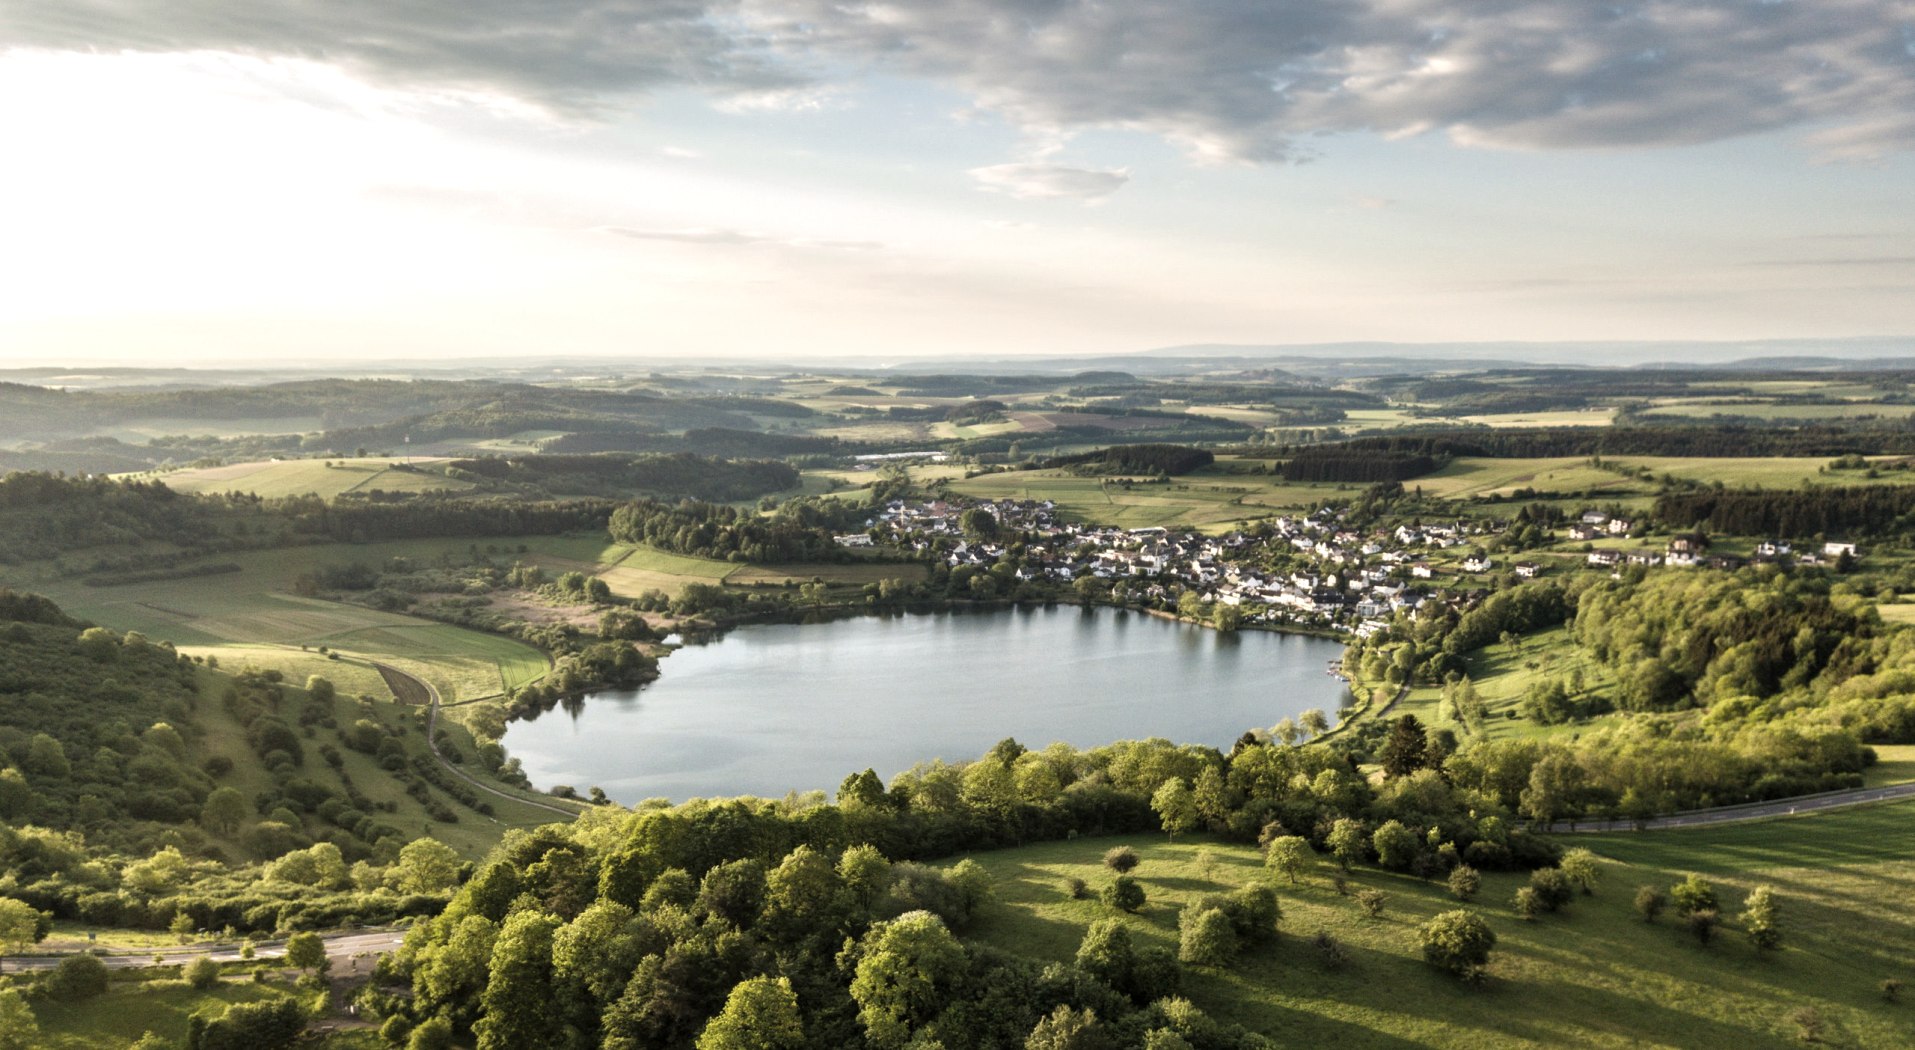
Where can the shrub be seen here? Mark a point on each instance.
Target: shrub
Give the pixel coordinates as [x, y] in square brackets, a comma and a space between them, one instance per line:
[1527, 903]
[77, 977]
[1206, 937]
[1891, 989]
[1371, 901]
[1702, 924]
[1553, 890]
[1458, 942]
[1464, 882]
[1693, 894]
[1075, 888]
[1121, 859]
[1330, 951]
[1124, 893]
[202, 973]
[1650, 902]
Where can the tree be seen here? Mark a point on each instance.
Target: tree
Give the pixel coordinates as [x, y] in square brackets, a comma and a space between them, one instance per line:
[1176, 806]
[1210, 796]
[905, 967]
[1068, 1029]
[427, 866]
[1702, 924]
[866, 874]
[1124, 893]
[1693, 894]
[1120, 859]
[1205, 937]
[224, 810]
[1285, 731]
[434, 1033]
[1582, 869]
[1314, 722]
[1404, 752]
[1464, 882]
[1144, 975]
[520, 1003]
[1396, 846]
[308, 952]
[266, 1025]
[18, 1028]
[19, 924]
[1528, 903]
[1760, 917]
[1347, 841]
[1459, 942]
[1649, 902]
[1289, 855]
[761, 1013]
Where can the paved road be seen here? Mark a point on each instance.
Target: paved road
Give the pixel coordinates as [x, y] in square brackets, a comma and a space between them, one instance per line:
[1747, 811]
[432, 738]
[339, 946]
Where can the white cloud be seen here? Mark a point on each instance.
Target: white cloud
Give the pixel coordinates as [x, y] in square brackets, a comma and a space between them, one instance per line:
[1036, 181]
[710, 235]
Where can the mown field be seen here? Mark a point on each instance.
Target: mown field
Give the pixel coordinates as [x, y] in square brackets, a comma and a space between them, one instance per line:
[300, 477]
[1593, 975]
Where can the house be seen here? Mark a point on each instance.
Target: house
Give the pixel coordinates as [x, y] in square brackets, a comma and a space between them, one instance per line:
[1584, 532]
[1422, 571]
[1605, 558]
[1644, 558]
[1689, 543]
[1477, 563]
[1832, 549]
[852, 539]
[1771, 549]
[1527, 570]
[1620, 526]
[1594, 517]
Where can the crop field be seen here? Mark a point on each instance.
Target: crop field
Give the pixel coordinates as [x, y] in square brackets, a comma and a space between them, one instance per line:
[1578, 417]
[1465, 477]
[1593, 975]
[1771, 410]
[354, 676]
[461, 664]
[1775, 472]
[300, 477]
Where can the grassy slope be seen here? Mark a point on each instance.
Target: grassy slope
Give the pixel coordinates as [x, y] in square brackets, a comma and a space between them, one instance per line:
[1593, 975]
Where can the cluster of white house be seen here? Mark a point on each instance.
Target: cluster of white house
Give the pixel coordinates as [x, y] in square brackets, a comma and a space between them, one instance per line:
[1347, 578]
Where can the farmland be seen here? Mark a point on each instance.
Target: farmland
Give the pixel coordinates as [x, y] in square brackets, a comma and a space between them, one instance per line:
[1593, 975]
[323, 478]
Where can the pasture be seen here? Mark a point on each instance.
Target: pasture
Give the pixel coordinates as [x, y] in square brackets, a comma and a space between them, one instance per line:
[318, 477]
[1593, 975]
[130, 1009]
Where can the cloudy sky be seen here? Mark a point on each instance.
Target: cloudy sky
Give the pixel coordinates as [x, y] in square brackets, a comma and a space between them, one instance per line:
[360, 179]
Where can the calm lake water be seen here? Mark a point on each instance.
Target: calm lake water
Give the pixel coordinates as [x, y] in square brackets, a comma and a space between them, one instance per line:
[770, 709]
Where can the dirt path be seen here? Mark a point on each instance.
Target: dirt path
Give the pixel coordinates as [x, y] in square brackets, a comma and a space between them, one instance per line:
[414, 685]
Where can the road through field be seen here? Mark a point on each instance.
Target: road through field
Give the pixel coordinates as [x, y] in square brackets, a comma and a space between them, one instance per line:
[419, 686]
[1748, 811]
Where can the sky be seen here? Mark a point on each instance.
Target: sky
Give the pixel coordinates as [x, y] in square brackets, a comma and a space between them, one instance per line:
[208, 181]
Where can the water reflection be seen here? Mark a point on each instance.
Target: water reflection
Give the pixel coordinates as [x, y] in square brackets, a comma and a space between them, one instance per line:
[777, 708]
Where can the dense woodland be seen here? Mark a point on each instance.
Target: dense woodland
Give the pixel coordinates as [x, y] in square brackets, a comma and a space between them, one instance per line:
[798, 531]
[1794, 514]
[1137, 459]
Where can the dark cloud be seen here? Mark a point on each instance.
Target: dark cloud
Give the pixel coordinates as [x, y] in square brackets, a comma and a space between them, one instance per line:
[1227, 79]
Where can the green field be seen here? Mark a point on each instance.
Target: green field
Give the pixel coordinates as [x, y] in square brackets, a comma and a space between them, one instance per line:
[1777, 411]
[300, 477]
[255, 607]
[1776, 472]
[131, 1009]
[1590, 976]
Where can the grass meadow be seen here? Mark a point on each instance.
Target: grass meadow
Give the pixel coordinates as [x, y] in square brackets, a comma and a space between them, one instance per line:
[1593, 975]
[300, 477]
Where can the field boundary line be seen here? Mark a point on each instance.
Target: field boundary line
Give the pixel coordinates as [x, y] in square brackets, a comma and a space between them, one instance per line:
[1785, 807]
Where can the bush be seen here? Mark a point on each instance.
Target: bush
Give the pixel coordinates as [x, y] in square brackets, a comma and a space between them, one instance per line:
[1693, 894]
[1330, 951]
[77, 977]
[1124, 893]
[1650, 902]
[1702, 924]
[1458, 942]
[1464, 882]
[1371, 901]
[1121, 859]
[1075, 888]
[1206, 937]
[1553, 888]
[202, 973]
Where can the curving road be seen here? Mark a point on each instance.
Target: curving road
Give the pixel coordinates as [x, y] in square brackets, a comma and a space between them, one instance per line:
[1786, 807]
[432, 741]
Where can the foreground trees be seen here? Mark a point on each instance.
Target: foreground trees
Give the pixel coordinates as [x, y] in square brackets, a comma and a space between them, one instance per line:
[1458, 941]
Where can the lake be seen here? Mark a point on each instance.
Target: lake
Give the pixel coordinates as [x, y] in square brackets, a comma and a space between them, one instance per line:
[771, 709]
